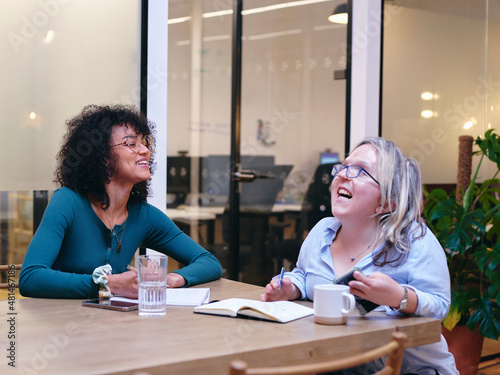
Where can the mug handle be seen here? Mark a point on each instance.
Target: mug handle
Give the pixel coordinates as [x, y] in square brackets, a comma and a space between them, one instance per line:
[350, 301]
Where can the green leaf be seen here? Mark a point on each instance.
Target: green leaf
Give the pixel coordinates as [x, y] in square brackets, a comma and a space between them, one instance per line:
[494, 290]
[490, 146]
[469, 231]
[463, 228]
[487, 318]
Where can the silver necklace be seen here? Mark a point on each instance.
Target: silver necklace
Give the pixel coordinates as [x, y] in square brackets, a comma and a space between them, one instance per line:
[354, 258]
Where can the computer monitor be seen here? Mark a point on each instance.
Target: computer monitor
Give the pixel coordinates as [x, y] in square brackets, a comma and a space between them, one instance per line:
[215, 177]
[329, 158]
[261, 194]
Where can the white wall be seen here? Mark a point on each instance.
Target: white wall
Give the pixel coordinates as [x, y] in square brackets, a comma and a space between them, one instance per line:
[92, 59]
[446, 55]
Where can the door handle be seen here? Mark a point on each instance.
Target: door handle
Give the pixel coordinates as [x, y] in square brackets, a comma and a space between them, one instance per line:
[249, 176]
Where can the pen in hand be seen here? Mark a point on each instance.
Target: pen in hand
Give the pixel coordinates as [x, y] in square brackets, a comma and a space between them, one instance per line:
[130, 268]
[281, 277]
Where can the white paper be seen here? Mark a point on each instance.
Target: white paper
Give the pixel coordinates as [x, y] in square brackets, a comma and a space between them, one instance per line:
[179, 297]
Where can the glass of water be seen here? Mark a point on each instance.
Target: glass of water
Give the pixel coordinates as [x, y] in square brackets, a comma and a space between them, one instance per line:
[152, 279]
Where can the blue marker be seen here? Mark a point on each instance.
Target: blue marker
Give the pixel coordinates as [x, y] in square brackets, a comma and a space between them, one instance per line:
[281, 276]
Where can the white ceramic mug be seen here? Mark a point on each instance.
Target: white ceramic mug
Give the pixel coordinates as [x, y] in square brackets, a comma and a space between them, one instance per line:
[332, 303]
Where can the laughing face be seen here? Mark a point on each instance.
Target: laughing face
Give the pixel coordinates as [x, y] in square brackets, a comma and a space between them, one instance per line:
[357, 198]
[133, 167]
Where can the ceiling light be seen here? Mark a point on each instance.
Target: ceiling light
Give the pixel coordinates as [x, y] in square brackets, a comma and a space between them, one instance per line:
[50, 35]
[427, 113]
[339, 14]
[178, 20]
[469, 124]
[427, 95]
[268, 8]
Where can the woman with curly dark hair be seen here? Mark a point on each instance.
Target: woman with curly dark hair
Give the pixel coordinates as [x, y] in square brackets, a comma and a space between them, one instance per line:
[99, 217]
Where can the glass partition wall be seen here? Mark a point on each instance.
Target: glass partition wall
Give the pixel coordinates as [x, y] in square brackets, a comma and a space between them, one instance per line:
[62, 56]
[292, 113]
[57, 57]
[440, 79]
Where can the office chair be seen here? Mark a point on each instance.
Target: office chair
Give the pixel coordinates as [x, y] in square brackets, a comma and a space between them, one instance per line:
[316, 206]
[394, 350]
[317, 202]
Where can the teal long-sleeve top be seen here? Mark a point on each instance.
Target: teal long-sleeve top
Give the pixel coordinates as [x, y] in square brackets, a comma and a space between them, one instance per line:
[72, 241]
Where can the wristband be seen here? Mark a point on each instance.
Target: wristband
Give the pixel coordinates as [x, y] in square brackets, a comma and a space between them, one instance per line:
[100, 277]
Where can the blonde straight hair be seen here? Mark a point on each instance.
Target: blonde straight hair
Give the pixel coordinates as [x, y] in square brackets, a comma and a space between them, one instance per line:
[401, 191]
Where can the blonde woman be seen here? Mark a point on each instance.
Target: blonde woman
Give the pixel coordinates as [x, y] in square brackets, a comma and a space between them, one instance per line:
[377, 227]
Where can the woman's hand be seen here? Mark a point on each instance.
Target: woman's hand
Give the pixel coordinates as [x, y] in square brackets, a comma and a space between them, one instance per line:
[381, 289]
[124, 284]
[287, 292]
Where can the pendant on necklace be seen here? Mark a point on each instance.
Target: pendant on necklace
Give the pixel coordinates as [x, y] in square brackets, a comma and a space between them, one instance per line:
[118, 241]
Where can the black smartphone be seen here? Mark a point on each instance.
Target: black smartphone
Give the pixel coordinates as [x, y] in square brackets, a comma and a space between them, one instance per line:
[111, 305]
[362, 305]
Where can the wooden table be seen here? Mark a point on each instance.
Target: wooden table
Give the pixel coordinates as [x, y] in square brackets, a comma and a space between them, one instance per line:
[62, 337]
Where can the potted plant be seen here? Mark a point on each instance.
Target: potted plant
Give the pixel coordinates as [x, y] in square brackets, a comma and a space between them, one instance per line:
[468, 229]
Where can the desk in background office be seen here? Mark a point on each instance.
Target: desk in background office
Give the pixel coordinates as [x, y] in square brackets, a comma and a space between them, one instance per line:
[62, 337]
[189, 217]
[205, 225]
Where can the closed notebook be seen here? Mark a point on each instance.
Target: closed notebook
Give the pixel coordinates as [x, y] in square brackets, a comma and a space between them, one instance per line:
[277, 311]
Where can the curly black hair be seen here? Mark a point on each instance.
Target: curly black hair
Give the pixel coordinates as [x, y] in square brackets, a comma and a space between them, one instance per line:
[85, 163]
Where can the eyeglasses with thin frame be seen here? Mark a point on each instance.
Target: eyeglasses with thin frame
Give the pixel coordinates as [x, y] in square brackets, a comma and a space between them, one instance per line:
[134, 143]
[351, 171]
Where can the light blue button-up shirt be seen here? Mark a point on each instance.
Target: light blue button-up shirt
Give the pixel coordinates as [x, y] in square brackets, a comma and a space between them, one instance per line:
[425, 271]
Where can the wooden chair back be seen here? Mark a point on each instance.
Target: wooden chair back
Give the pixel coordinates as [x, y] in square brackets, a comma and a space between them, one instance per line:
[20, 227]
[5, 269]
[394, 351]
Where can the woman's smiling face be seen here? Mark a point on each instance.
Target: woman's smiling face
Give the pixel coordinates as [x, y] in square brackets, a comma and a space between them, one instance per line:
[357, 197]
[132, 167]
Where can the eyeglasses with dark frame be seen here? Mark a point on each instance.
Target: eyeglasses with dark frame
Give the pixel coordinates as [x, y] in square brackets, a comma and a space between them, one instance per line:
[134, 143]
[351, 171]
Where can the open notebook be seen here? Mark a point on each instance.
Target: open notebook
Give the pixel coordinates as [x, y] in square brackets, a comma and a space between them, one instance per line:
[180, 297]
[277, 311]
